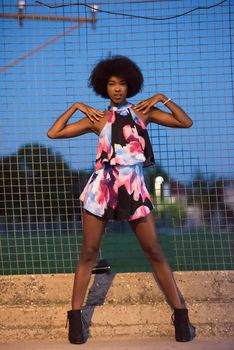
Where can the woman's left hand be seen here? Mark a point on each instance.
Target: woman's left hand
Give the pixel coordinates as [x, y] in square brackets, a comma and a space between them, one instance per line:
[144, 106]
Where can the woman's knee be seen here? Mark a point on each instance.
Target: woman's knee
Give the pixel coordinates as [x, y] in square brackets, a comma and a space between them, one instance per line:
[154, 254]
[89, 253]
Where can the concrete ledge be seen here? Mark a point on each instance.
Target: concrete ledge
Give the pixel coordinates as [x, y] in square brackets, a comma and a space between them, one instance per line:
[35, 306]
[114, 288]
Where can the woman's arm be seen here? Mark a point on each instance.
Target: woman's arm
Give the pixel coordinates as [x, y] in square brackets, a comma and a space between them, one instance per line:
[60, 129]
[177, 118]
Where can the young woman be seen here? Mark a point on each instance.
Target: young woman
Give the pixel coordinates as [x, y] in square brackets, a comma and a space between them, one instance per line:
[116, 189]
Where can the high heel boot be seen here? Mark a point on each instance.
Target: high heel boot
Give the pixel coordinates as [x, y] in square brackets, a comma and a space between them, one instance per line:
[76, 327]
[184, 330]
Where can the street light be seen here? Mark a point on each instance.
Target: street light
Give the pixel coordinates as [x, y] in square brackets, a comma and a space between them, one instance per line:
[21, 11]
[158, 187]
[94, 9]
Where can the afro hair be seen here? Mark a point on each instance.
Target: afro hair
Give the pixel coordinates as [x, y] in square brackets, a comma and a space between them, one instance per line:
[121, 67]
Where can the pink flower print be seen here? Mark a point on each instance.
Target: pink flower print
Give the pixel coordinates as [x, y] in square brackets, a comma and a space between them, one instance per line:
[104, 145]
[140, 212]
[144, 192]
[103, 194]
[137, 187]
[134, 147]
[130, 134]
[136, 142]
[132, 180]
[98, 164]
[107, 190]
[111, 117]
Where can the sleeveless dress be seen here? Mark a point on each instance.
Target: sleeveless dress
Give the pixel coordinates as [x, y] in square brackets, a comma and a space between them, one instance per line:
[116, 190]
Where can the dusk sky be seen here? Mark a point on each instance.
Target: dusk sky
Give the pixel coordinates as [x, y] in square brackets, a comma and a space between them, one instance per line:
[45, 66]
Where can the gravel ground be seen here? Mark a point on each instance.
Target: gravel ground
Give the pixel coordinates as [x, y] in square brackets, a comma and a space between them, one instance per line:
[126, 344]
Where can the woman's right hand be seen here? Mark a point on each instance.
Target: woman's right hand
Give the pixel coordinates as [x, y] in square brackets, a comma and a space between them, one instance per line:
[90, 112]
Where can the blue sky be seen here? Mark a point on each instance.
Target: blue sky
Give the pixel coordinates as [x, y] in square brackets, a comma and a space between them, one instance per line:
[187, 58]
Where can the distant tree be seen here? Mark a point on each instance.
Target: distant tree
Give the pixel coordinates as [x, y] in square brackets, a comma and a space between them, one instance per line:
[12, 188]
[36, 183]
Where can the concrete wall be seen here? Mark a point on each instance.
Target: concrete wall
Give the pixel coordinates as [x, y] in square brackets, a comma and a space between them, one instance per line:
[35, 306]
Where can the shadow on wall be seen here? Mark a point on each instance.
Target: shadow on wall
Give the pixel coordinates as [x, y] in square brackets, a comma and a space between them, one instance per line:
[96, 296]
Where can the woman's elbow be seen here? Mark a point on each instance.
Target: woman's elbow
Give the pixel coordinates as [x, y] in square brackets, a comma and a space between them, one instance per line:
[51, 135]
[189, 124]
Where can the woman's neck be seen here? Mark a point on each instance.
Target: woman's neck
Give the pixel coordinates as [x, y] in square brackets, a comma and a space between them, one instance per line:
[118, 107]
[121, 104]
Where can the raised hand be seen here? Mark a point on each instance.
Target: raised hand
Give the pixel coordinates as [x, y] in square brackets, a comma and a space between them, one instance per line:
[144, 106]
[90, 112]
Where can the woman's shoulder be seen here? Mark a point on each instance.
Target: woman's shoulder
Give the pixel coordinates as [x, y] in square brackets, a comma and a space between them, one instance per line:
[98, 125]
[143, 117]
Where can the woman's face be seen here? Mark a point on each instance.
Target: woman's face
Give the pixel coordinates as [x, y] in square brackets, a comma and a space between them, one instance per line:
[117, 90]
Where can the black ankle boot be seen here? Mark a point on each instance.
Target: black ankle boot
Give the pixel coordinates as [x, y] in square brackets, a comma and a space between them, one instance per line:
[76, 327]
[184, 330]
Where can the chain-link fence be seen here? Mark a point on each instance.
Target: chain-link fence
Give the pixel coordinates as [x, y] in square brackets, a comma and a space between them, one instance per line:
[184, 49]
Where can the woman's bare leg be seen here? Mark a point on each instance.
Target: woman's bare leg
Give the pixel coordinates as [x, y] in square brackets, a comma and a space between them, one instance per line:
[93, 228]
[146, 233]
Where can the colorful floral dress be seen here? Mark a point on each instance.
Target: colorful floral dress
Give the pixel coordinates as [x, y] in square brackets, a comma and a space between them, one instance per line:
[116, 190]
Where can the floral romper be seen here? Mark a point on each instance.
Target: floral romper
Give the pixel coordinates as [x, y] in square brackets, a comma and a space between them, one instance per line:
[116, 190]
